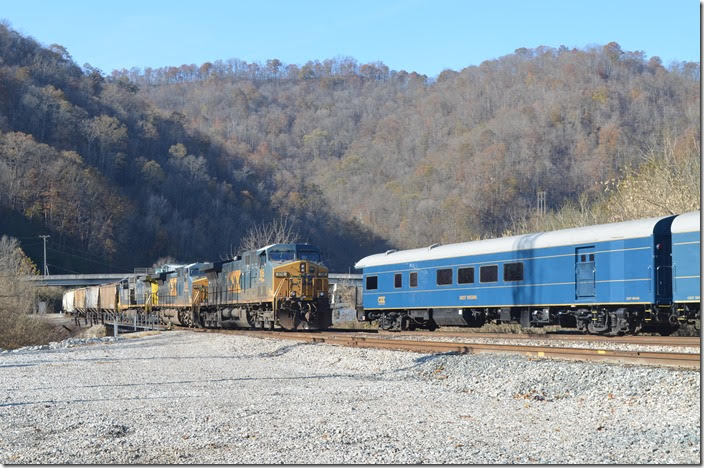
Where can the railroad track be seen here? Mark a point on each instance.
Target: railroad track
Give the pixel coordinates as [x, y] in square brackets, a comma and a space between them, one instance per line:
[637, 339]
[681, 360]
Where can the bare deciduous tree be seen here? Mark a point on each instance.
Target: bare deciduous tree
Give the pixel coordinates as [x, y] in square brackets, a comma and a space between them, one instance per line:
[18, 298]
[15, 296]
[281, 230]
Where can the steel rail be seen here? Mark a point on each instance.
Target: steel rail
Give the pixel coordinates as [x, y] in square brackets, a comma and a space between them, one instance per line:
[680, 360]
[637, 339]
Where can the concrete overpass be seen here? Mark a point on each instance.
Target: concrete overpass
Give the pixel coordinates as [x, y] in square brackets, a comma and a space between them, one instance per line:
[76, 280]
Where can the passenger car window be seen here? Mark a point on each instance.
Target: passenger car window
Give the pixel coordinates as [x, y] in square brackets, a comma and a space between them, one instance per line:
[372, 282]
[489, 274]
[513, 271]
[398, 281]
[444, 276]
[465, 275]
[413, 280]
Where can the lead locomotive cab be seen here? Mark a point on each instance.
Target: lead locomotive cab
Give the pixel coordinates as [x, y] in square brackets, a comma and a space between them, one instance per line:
[277, 286]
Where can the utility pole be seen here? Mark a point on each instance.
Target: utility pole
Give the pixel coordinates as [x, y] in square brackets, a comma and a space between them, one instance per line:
[46, 269]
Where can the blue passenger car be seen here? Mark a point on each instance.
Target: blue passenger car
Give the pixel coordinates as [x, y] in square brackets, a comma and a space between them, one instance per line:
[612, 278]
[686, 264]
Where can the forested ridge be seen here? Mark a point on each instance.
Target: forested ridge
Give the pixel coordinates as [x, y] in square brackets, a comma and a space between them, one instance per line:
[419, 161]
[119, 183]
[181, 161]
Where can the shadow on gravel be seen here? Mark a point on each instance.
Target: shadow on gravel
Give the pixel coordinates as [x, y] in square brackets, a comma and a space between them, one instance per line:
[48, 403]
[277, 352]
[432, 357]
[361, 377]
[191, 382]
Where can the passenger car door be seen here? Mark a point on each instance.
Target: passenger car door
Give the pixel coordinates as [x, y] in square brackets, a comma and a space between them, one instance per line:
[585, 272]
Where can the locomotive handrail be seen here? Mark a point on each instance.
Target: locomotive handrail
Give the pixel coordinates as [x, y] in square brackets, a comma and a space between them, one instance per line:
[199, 292]
[276, 295]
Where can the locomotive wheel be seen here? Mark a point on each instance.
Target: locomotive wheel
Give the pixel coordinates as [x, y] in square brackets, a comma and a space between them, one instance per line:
[196, 318]
[289, 319]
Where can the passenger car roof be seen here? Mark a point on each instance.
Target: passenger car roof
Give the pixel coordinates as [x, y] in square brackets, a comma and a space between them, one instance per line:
[687, 222]
[581, 235]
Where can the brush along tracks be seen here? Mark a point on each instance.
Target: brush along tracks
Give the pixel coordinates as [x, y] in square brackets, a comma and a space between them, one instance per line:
[680, 360]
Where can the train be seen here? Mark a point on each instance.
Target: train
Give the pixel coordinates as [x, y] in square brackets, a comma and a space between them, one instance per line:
[279, 286]
[610, 279]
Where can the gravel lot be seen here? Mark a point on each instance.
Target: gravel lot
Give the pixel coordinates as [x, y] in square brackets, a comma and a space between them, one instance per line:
[186, 397]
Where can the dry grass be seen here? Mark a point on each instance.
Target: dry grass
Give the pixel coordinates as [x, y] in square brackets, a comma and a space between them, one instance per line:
[18, 330]
[141, 334]
[355, 325]
[95, 331]
[666, 183]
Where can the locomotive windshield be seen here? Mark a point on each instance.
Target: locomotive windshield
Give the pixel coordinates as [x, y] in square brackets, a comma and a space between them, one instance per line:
[310, 255]
[281, 255]
[291, 252]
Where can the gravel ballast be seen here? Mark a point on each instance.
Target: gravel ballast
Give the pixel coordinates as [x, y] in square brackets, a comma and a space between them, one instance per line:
[186, 397]
[553, 343]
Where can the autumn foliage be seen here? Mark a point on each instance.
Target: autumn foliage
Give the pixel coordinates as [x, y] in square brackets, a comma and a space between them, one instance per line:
[183, 161]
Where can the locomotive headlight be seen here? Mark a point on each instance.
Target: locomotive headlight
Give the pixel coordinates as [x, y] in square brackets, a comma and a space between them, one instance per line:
[293, 293]
[303, 267]
[322, 293]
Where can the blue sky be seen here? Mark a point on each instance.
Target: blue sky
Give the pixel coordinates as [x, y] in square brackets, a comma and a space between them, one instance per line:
[426, 36]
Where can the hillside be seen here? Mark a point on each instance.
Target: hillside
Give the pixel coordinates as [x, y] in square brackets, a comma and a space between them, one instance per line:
[119, 183]
[182, 161]
[419, 161]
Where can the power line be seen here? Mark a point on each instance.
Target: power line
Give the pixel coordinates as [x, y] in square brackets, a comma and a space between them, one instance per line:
[81, 252]
[111, 265]
[65, 269]
[71, 248]
[30, 244]
[82, 258]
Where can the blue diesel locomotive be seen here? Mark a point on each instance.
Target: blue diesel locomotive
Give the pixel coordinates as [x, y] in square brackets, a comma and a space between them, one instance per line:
[607, 279]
